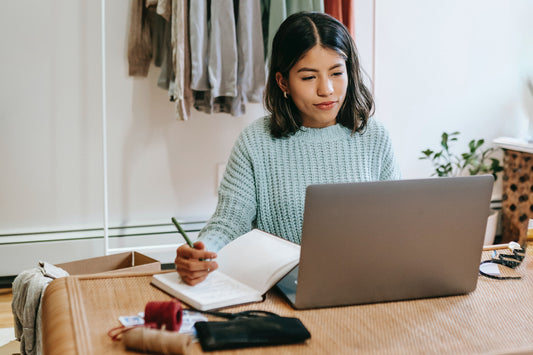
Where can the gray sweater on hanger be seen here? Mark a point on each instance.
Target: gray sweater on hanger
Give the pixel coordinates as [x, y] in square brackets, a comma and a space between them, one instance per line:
[227, 61]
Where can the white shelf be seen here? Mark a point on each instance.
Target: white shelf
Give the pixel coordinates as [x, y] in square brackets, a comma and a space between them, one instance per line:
[517, 144]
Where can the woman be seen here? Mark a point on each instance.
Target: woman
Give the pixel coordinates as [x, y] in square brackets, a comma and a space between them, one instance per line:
[319, 131]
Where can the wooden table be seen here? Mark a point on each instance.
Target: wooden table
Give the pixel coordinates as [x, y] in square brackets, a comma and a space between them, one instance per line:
[496, 318]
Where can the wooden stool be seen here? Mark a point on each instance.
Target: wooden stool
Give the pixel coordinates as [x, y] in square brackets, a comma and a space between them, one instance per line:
[517, 197]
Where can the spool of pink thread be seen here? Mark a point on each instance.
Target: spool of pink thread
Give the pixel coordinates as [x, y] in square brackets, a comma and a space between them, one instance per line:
[159, 314]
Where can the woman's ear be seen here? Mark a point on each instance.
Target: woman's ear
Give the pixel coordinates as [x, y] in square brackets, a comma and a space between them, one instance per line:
[282, 83]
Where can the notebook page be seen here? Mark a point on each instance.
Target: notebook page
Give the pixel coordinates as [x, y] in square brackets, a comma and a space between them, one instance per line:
[258, 259]
[217, 290]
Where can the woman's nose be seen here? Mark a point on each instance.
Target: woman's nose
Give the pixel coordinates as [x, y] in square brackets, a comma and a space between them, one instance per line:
[325, 88]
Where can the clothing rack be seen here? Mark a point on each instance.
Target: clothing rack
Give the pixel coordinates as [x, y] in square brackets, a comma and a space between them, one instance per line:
[104, 130]
[107, 249]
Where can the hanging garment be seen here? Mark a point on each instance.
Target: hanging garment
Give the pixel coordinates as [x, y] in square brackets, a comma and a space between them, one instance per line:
[199, 40]
[139, 40]
[157, 30]
[213, 47]
[179, 90]
[164, 8]
[279, 10]
[161, 38]
[213, 51]
[227, 58]
[203, 54]
[342, 10]
[222, 63]
[251, 68]
[166, 76]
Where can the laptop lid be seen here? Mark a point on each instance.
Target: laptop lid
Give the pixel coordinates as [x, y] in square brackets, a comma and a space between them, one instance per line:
[390, 240]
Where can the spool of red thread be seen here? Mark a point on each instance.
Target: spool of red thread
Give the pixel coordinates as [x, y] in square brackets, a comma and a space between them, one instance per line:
[169, 314]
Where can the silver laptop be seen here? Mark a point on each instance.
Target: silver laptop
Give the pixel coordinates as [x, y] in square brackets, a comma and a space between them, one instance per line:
[389, 241]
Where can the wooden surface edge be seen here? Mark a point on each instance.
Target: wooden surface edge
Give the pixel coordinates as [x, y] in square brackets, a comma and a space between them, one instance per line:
[57, 323]
[79, 321]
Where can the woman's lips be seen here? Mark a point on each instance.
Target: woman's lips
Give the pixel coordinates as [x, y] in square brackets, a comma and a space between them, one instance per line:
[326, 105]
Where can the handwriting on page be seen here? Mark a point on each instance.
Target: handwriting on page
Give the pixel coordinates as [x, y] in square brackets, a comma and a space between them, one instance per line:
[217, 287]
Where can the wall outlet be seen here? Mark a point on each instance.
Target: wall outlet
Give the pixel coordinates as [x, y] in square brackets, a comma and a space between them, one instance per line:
[221, 167]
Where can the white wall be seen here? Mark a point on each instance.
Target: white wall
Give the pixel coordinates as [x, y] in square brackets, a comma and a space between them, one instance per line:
[454, 65]
[51, 130]
[451, 66]
[50, 137]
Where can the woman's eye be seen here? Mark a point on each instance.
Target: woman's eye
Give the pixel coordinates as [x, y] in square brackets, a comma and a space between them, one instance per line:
[338, 73]
[307, 77]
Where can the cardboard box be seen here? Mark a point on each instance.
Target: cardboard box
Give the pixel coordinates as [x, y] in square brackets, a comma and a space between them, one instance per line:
[129, 262]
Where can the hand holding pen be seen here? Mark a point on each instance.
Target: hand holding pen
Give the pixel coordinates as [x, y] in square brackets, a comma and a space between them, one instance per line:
[193, 262]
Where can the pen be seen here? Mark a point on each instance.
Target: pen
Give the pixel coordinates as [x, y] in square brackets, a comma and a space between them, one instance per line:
[182, 232]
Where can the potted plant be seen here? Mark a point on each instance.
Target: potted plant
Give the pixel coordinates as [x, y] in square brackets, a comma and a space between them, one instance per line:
[477, 160]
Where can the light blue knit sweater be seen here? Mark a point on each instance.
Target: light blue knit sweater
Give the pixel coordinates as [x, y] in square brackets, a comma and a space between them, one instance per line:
[265, 179]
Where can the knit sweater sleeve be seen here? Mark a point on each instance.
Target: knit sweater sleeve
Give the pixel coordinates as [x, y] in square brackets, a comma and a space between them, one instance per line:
[236, 208]
[389, 169]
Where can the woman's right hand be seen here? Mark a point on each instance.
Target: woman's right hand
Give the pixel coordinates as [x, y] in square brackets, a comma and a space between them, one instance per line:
[194, 265]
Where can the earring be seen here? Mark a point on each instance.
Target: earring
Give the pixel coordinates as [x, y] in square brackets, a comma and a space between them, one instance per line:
[285, 94]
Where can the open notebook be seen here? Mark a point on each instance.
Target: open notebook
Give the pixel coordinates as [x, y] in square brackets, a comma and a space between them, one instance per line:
[248, 267]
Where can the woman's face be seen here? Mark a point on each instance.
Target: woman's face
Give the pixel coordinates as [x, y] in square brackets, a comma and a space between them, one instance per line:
[317, 84]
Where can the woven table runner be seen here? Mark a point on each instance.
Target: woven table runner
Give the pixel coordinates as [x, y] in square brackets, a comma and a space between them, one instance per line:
[496, 318]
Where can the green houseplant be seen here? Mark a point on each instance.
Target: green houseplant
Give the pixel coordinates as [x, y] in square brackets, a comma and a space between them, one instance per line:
[475, 161]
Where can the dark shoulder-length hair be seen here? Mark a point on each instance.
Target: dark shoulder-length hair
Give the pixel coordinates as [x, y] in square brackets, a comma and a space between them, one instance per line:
[298, 34]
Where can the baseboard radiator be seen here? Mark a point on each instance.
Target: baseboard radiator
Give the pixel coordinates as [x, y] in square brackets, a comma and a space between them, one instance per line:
[22, 251]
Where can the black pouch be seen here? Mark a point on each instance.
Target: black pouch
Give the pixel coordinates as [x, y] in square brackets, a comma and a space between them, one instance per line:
[249, 332]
